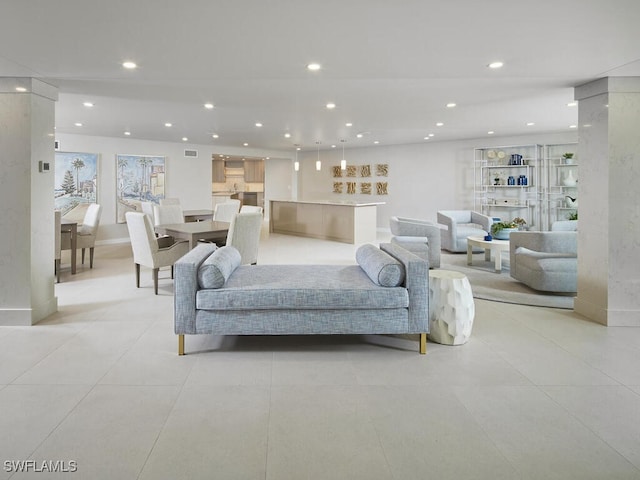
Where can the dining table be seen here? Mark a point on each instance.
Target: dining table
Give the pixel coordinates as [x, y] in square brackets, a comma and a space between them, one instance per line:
[71, 227]
[209, 230]
[197, 215]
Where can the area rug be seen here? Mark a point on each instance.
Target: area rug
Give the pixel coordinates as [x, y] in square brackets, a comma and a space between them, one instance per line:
[486, 284]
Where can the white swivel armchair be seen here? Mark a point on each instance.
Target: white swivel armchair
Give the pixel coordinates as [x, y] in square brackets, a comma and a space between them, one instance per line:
[244, 235]
[87, 233]
[224, 212]
[460, 225]
[146, 250]
[420, 237]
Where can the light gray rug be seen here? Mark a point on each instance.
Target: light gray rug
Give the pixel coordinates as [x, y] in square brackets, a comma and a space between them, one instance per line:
[500, 287]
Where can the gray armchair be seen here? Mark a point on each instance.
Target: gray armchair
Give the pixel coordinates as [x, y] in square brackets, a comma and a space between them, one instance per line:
[460, 225]
[420, 237]
[546, 261]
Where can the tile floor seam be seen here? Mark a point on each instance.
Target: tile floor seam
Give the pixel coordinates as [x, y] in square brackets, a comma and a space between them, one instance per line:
[577, 419]
[160, 430]
[456, 390]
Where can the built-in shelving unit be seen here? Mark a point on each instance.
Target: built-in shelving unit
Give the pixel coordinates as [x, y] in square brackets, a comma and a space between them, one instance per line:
[506, 182]
[560, 187]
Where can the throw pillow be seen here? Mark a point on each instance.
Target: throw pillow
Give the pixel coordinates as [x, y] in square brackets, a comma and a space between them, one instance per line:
[382, 268]
[216, 270]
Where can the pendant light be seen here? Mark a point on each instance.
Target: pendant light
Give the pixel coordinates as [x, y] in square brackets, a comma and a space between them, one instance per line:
[343, 162]
[296, 164]
[318, 162]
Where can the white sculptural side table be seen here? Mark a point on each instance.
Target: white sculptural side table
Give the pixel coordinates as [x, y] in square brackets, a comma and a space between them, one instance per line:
[451, 307]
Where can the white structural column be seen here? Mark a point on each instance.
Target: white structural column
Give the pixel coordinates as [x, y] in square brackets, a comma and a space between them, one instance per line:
[27, 113]
[609, 232]
[451, 307]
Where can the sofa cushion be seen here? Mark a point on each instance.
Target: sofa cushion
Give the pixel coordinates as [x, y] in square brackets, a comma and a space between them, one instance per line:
[382, 268]
[216, 270]
[301, 287]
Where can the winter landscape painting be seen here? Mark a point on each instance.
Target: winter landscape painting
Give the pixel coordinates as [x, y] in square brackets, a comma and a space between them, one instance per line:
[139, 178]
[76, 180]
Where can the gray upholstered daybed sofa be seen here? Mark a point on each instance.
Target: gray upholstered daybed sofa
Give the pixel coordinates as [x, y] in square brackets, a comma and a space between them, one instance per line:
[387, 292]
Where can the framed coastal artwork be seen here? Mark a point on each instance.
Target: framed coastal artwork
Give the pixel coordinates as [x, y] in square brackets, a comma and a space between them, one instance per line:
[76, 183]
[139, 178]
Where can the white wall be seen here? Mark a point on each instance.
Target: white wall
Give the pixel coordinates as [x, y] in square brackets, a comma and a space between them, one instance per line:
[423, 178]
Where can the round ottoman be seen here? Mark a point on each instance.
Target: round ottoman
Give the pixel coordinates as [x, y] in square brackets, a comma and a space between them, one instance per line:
[451, 307]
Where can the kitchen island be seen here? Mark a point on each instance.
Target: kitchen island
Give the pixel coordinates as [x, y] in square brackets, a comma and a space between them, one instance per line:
[347, 222]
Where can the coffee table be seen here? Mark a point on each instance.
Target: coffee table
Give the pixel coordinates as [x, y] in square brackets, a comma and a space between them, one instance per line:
[490, 246]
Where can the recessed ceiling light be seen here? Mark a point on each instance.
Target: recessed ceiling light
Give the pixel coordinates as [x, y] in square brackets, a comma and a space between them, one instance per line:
[88, 104]
[376, 142]
[439, 124]
[21, 89]
[258, 124]
[530, 124]
[431, 134]
[215, 135]
[287, 135]
[496, 65]
[184, 139]
[313, 67]
[451, 105]
[359, 135]
[245, 144]
[573, 126]
[127, 133]
[298, 148]
[208, 106]
[78, 124]
[331, 106]
[168, 124]
[129, 65]
[349, 124]
[427, 138]
[490, 132]
[572, 104]
[333, 146]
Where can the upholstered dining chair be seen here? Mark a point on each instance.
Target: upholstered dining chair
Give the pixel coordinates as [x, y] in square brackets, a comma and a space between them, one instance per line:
[250, 208]
[87, 233]
[224, 212]
[244, 235]
[147, 208]
[57, 243]
[166, 214]
[147, 251]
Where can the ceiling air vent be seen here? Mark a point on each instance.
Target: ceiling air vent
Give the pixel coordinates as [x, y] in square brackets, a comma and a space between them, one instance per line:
[191, 153]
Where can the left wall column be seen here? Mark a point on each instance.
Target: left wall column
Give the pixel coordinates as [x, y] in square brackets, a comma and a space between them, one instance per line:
[27, 116]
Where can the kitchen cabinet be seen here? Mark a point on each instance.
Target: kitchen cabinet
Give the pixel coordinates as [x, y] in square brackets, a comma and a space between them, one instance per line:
[254, 171]
[217, 175]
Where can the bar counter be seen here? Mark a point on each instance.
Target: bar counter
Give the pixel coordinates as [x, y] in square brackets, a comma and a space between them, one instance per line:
[348, 222]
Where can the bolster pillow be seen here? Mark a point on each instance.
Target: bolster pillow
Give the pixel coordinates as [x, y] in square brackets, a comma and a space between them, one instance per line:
[216, 270]
[382, 268]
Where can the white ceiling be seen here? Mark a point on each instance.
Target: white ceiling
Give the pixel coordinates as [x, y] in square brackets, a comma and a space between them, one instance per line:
[390, 67]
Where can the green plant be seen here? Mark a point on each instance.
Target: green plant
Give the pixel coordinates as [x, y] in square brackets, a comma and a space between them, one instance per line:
[573, 215]
[567, 155]
[499, 226]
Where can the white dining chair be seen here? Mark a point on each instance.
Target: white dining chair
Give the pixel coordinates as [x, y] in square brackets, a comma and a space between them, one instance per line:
[250, 208]
[87, 233]
[224, 212]
[57, 244]
[166, 214]
[244, 235]
[147, 251]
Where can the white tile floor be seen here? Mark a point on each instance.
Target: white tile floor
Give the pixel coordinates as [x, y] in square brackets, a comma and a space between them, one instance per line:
[536, 393]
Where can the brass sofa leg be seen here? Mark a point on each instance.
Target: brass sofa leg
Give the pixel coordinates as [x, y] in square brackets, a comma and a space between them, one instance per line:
[423, 343]
[180, 344]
